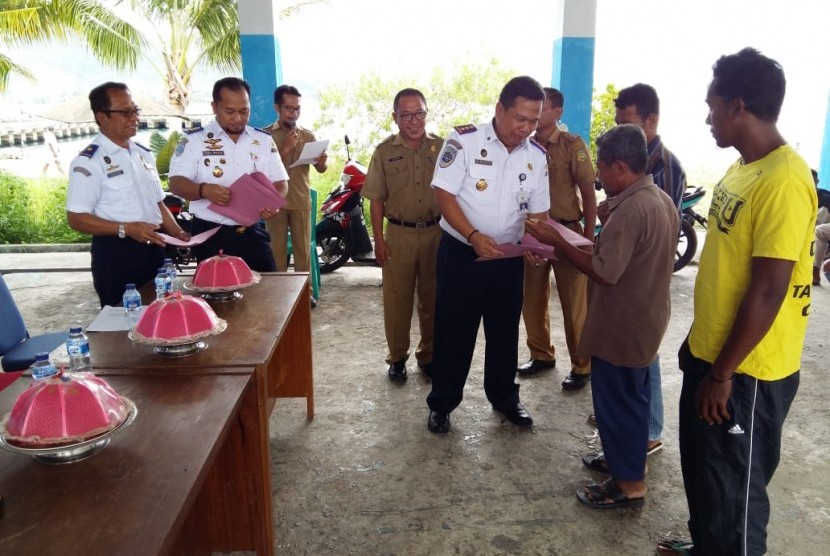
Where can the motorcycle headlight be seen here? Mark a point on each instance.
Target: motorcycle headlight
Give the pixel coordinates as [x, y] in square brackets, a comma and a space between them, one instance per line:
[345, 179]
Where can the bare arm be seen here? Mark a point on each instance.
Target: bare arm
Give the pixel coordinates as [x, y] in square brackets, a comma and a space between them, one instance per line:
[767, 289]
[484, 245]
[192, 191]
[589, 208]
[169, 224]
[97, 226]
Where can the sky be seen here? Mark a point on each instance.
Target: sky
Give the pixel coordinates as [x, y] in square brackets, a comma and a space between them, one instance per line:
[666, 43]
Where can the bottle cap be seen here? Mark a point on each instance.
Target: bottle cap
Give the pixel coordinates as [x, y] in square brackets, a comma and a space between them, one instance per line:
[42, 356]
[74, 329]
[130, 285]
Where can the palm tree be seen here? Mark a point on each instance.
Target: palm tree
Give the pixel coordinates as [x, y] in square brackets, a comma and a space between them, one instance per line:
[191, 33]
[111, 40]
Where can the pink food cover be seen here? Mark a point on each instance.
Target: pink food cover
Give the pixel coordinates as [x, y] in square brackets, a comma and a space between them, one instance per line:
[178, 317]
[66, 408]
[249, 194]
[222, 271]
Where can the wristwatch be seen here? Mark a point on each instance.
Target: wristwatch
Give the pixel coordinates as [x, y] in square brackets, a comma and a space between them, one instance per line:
[121, 231]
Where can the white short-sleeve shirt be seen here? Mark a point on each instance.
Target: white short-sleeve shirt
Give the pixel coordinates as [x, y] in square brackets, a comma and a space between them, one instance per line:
[208, 155]
[495, 189]
[114, 183]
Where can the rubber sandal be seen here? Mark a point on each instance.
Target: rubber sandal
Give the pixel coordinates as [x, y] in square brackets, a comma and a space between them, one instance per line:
[597, 495]
[595, 461]
[654, 449]
[674, 547]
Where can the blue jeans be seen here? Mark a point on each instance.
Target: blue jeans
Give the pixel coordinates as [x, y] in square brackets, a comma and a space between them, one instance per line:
[655, 421]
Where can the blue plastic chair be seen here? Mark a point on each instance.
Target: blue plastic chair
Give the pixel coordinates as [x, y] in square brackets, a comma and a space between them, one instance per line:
[315, 260]
[17, 348]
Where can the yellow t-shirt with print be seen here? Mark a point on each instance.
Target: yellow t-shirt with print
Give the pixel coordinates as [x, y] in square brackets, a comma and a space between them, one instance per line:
[763, 209]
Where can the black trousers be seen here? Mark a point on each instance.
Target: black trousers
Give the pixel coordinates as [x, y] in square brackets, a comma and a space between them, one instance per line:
[467, 292]
[727, 467]
[117, 262]
[253, 245]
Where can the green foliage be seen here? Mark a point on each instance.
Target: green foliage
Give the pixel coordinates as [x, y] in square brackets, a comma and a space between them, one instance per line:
[363, 109]
[34, 211]
[602, 115]
[157, 142]
[166, 153]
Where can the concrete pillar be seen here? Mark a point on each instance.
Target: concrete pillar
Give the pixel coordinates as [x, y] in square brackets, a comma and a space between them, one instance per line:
[573, 63]
[824, 164]
[261, 62]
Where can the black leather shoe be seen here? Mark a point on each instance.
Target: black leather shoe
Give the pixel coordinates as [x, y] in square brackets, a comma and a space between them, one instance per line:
[426, 368]
[574, 381]
[397, 370]
[518, 415]
[535, 365]
[438, 422]
[313, 302]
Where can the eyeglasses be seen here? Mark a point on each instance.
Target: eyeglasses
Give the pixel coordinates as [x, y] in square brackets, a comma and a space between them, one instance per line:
[126, 112]
[291, 109]
[420, 115]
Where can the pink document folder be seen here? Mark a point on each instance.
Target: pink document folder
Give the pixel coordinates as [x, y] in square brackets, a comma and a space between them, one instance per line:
[249, 194]
[530, 243]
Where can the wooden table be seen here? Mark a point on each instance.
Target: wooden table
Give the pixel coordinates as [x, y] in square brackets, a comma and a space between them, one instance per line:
[161, 485]
[269, 329]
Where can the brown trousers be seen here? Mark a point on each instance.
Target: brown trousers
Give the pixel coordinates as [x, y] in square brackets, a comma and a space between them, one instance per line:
[572, 287]
[410, 269]
[299, 222]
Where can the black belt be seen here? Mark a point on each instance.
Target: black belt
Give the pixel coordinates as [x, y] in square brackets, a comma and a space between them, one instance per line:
[238, 228]
[416, 225]
[566, 222]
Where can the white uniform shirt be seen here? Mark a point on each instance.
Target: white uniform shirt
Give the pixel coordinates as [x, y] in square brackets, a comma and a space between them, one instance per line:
[208, 155]
[487, 181]
[114, 183]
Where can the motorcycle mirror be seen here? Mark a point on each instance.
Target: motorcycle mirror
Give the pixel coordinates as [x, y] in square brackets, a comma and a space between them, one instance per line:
[346, 140]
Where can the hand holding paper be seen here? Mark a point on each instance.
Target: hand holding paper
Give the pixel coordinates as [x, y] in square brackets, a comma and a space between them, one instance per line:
[250, 194]
[198, 239]
[311, 151]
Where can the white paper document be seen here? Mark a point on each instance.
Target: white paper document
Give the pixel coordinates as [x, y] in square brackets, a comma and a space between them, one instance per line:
[311, 151]
[113, 319]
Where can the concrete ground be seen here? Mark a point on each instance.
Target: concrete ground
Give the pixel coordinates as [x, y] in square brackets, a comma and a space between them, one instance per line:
[365, 477]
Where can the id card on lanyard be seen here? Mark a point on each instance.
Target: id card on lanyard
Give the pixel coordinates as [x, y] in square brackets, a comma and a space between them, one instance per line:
[521, 197]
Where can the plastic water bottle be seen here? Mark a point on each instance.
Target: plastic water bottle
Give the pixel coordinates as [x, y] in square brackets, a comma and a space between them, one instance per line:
[42, 367]
[132, 304]
[162, 282]
[77, 346]
[171, 272]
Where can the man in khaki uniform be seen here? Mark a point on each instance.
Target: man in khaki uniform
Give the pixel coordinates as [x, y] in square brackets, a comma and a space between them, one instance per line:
[398, 186]
[571, 177]
[296, 214]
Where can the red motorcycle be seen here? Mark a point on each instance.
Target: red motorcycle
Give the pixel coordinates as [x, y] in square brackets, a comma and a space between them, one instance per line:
[342, 233]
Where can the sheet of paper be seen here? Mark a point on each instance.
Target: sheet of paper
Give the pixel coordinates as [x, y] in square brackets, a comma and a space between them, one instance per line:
[198, 239]
[310, 152]
[112, 319]
[575, 239]
[511, 250]
[249, 194]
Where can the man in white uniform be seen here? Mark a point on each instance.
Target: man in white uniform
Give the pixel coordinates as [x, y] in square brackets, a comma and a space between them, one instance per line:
[209, 159]
[115, 195]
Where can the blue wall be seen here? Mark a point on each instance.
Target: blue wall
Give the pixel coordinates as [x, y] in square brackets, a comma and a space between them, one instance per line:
[573, 74]
[262, 69]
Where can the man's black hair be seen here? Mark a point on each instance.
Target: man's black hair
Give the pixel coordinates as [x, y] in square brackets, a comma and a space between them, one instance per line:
[754, 78]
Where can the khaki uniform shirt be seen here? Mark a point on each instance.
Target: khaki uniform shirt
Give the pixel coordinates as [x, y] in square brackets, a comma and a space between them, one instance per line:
[299, 184]
[402, 178]
[635, 254]
[569, 165]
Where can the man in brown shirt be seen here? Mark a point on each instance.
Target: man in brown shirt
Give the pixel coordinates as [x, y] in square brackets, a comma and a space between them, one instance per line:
[628, 310]
[296, 214]
[572, 196]
[398, 186]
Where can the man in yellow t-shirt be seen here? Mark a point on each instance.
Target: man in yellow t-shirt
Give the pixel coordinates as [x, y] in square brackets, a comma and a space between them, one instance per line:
[752, 299]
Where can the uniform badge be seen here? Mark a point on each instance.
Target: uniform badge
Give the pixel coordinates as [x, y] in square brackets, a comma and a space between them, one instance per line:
[255, 142]
[213, 144]
[115, 173]
[218, 172]
[207, 162]
[447, 156]
[432, 148]
[581, 157]
[180, 146]
[222, 161]
[210, 135]
[107, 159]
[464, 129]
[481, 185]
[483, 152]
[82, 170]
[530, 166]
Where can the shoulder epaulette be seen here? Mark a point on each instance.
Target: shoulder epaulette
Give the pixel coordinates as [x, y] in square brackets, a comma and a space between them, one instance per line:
[89, 150]
[466, 128]
[142, 146]
[537, 145]
[259, 129]
[194, 130]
